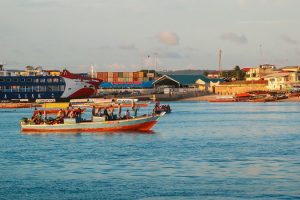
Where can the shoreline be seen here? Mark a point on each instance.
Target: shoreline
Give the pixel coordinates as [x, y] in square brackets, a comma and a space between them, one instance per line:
[211, 97]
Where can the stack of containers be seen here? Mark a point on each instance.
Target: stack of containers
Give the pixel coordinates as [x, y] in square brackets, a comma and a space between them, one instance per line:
[126, 76]
[115, 77]
[103, 76]
[110, 77]
[135, 76]
[141, 76]
[130, 77]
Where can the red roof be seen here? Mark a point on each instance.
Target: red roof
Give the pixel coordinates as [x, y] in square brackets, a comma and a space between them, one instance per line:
[246, 69]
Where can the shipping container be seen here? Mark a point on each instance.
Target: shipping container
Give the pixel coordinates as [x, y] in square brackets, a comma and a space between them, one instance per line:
[110, 79]
[135, 74]
[115, 74]
[141, 74]
[110, 74]
[99, 76]
[120, 74]
[125, 74]
[130, 74]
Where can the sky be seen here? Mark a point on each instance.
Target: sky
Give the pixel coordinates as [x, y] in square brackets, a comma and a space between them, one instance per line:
[128, 35]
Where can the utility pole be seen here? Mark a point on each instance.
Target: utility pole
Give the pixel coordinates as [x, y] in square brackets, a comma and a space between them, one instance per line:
[155, 64]
[220, 62]
[92, 71]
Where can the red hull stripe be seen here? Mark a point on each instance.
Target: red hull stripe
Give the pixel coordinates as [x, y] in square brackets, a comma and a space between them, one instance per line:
[136, 127]
[83, 93]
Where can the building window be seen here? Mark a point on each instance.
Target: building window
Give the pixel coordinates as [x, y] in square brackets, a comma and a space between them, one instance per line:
[29, 80]
[8, 80]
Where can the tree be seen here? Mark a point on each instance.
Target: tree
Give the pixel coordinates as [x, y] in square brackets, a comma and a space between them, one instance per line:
[237, 68]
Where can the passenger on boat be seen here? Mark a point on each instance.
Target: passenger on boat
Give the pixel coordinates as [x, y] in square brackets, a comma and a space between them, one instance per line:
[127, 116]
[111, 112]
[72, 114]
[94, 111]
[60, 114]
[37, 118]
[120, 111]
[99, 113]
[78, 115]
[134, 109]
[105, 113]
[156, 109]
[67, 112]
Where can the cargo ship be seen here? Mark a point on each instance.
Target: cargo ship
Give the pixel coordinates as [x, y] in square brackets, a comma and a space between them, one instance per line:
[15, 86]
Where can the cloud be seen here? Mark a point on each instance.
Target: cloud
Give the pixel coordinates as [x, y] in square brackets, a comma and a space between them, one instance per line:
[121, 67]
[277, 3]
[232, 37]
[168, 38]
[191, 49]
[287, 39]
[242, 3]
[171, 55]
[128, 47]
[267, 22]
[39, 3]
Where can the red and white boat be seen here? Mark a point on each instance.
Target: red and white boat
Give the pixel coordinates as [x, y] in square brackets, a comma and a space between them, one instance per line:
[43, 85]
[77, 86]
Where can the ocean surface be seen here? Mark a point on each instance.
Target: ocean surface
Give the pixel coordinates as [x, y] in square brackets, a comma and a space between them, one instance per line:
[200, 151]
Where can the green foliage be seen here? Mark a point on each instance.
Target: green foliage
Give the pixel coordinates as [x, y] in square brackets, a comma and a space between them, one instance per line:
[236, 74]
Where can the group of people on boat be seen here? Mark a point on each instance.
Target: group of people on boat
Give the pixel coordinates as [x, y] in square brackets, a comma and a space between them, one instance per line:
[38, 118]
[108, 112]
[161, 108]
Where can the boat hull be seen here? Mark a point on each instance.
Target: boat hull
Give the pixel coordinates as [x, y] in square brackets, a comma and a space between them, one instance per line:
[135, 124]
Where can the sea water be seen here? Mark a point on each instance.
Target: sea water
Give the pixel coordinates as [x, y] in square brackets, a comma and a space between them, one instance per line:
[199, 151]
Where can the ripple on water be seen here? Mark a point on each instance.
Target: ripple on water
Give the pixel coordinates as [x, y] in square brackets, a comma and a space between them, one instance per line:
[201, 150]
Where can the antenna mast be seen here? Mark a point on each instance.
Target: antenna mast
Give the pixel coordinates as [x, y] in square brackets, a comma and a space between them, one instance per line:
[92, 71]
[155, 54]
[220, 62]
